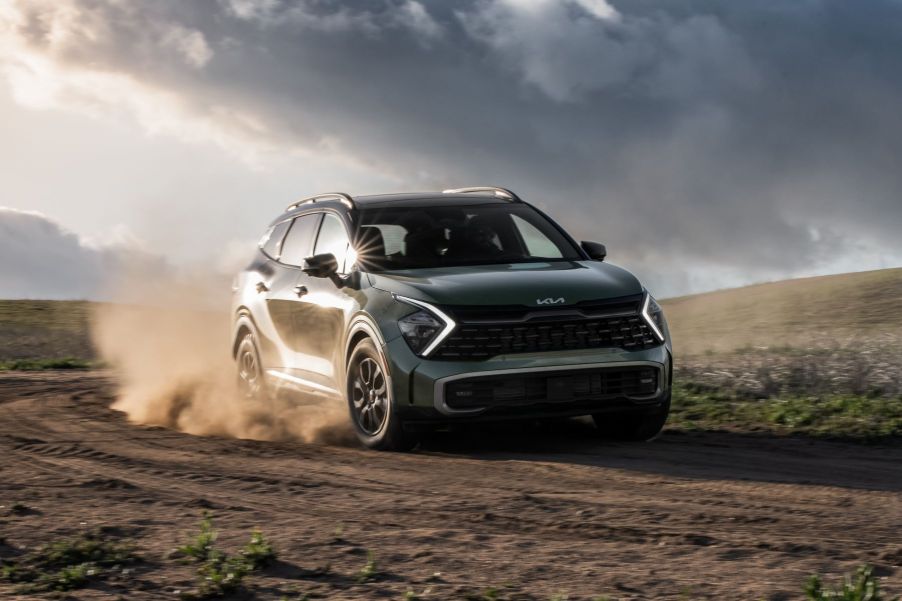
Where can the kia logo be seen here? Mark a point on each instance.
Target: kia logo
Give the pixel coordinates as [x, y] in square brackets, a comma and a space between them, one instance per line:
[550, 301]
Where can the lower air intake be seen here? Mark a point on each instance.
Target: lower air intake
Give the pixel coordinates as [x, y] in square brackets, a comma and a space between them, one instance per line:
[558, 386]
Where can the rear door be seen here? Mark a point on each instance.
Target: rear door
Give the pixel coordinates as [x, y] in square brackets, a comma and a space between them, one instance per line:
[282, 294]
[266, 276]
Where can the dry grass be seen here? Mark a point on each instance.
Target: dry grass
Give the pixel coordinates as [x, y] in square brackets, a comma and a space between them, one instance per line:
[830, 311]
[41, 330]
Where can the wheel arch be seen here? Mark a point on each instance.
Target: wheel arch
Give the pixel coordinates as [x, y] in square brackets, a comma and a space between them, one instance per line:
[362, 326]
[244, 322]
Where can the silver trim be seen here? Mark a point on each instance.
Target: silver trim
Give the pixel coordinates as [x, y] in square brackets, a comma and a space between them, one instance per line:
[302, 382]
[438, 397]
[495, 190]
[339, 196]
[450, 324]
[651, 322]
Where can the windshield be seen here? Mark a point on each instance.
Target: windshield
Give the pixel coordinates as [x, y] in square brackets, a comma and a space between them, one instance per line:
[447, 236]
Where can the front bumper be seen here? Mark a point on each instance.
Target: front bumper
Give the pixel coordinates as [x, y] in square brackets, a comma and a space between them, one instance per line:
[419, 385]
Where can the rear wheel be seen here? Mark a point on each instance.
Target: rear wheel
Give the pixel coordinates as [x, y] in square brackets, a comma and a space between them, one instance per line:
[370, 401]
[632, 426]
[250, 371]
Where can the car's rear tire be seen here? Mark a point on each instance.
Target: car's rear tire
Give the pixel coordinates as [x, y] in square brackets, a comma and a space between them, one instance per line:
[633, 426]
[251, 382]
[371, 404]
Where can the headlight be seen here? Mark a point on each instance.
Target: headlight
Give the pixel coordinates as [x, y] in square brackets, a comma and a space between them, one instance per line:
[654, 316]
[419, 329]
[424, 330]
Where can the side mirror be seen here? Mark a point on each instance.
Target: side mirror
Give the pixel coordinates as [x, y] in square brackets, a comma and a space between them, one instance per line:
[595, 250]
[321, 266]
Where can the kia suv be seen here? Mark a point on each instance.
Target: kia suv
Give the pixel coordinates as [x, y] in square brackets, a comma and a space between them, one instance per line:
[424, 310]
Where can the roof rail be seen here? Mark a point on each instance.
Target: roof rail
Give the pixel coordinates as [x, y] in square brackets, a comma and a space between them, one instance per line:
[496, 191]
[339, 196]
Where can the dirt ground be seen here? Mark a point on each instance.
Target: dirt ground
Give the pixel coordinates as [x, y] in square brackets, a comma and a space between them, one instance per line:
[533, 511]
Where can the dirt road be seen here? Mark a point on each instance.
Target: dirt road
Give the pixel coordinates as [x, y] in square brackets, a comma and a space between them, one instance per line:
[533, 512]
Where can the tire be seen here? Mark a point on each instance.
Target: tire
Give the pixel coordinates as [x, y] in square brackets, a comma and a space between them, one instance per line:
[251, 383]
[635, 427]
[370, 401]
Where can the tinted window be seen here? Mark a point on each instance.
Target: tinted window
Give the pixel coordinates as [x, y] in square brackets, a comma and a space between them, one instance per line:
[333, 238]
[448, 235]
[537, 243]
[271, 242]
[299, 240]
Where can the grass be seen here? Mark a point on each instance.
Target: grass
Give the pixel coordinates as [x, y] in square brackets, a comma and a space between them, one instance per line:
[370, 569]
[42, 364]
[852, 391]
[844, 416]
[791, 312]
[219, 573]
[66, 564]
[201, 546]
[862, 586]
[32, 329]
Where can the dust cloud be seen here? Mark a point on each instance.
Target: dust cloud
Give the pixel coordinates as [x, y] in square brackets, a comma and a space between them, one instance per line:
[167, 338]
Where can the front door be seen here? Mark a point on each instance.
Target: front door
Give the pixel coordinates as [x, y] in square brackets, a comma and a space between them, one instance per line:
[320, 317]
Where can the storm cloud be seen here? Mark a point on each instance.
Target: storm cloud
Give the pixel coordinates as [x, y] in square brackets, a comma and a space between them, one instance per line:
[41, 259]
[707, 143]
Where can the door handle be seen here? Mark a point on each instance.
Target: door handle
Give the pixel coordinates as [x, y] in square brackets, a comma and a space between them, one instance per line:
[261, 287]
[301, 290]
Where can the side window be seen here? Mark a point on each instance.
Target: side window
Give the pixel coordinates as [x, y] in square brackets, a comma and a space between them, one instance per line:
[537, 243]
[299, 240]
[271, 242]
[333, 238]
[393, 237]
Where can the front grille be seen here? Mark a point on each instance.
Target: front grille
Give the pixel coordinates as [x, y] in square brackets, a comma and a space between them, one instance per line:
[484, 333]
[558, 386]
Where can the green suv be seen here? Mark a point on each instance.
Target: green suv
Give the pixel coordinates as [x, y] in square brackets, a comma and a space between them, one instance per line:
[425, 310]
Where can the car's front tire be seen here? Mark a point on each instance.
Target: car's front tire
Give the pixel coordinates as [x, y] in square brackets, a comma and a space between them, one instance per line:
[370, 401]
[251, 382]
[633, 426]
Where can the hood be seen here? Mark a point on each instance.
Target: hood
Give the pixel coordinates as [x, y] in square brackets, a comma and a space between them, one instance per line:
[528, 284]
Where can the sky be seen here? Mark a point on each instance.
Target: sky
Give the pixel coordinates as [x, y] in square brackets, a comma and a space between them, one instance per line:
[707, 144]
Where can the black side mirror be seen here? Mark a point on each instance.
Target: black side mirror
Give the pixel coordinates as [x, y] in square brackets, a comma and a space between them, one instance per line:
[321, 266]
[595, 250]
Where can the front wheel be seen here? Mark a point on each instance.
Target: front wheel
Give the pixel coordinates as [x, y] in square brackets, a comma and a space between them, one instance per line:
[632, 426]
[370, 401]
[250, 370]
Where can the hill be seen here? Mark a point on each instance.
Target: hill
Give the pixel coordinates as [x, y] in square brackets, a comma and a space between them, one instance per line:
[820, 311]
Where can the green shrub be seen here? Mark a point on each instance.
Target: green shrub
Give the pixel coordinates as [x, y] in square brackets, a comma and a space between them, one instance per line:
[220, 574]
[66, 564]
[201, 546]
[258, 553]
[370, 570]
[863, 586]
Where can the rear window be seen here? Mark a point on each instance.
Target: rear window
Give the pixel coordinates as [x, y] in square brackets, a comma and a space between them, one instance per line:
[271, 242]
[298, 244]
